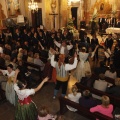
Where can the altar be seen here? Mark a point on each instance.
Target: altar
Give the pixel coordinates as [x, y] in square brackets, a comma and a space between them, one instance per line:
[113, 30]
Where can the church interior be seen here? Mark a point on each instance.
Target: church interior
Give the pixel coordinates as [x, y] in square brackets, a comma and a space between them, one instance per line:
[59, 59]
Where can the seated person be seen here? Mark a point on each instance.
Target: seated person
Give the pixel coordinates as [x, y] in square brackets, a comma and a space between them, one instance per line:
[101, 69]
[44, 114]
[105, 108]
[114, 90]
[87, 100]
[87, 79]
[100, 84]
[38, 61]
[111, 73]
[74, 96]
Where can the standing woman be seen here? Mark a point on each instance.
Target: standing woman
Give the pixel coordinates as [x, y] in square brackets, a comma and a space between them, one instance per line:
[94, 43]
[83, 67]
[26, 108]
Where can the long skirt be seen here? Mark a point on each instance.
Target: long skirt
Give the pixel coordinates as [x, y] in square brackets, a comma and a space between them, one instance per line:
[26, 112]
[81, 71]
[10, 93]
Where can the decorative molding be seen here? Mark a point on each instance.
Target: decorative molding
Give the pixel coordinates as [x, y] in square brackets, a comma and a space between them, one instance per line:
[103, 7]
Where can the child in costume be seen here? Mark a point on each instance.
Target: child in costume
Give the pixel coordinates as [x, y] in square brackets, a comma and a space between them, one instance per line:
[26, 108]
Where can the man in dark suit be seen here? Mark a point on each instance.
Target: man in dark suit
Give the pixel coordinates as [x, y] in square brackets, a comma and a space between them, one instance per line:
[83, 24]
[17, 36]
[85, 40]
[113, 22]
[2, 38]
[109, 42]
[101, 21]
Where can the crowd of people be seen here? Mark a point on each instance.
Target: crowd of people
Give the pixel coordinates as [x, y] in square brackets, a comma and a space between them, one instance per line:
[27, 45]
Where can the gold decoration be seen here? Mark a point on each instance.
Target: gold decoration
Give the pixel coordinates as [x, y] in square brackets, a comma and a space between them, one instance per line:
[103, 7]
[64, 12]
[47, 12]
[2, 17]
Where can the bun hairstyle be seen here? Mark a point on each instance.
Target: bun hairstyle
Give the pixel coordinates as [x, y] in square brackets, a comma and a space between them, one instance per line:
[43, 111]
[86, 94]
[21, 84]
[84, 49]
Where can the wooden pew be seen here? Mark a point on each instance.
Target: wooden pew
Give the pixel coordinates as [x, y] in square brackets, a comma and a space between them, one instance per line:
[113, 99]
[81, 110]
[84, 111]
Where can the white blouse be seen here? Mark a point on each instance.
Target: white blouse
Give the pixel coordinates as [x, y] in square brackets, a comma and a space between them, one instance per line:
[23, 93]
[5, 72]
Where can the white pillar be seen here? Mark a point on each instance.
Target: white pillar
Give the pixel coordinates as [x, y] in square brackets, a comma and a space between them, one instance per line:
[22, 7]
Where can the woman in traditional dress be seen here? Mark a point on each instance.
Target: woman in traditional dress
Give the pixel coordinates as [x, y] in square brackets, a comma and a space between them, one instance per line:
[26, 108]
[7, 83]
[83, 66]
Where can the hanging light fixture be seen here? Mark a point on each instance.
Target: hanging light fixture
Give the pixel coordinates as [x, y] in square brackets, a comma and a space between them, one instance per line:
[75, 1]
[72, 1]
[33, 6]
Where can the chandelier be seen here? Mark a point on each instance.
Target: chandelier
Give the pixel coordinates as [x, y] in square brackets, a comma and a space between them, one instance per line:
[33, 6]
[72, 1]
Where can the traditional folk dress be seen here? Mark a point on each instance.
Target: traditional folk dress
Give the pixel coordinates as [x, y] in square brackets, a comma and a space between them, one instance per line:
[26, 108]
[7, 85]
[83, 66]
[62, 75]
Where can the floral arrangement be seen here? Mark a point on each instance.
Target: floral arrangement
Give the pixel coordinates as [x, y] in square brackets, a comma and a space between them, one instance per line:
[70, 26]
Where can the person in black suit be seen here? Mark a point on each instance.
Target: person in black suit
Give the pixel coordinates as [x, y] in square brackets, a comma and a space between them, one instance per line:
[58, 37]
[113, 22]
[17, 36]
[2, 38]
[83, 24]
[46, 36]
[109, 42]
[51, 41]
[29, 38]
[114, 89]
[85, 41]
[101, 22]
[116, 58]
[94, 43]
[24, 35]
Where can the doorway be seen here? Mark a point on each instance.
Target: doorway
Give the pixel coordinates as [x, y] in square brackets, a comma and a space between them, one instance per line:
[37, 18]
[74, 15]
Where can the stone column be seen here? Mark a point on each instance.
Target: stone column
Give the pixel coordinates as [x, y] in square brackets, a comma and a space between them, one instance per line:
[64, 13]
[48, 18]
[81, 10]
[87, 6]
[22, 7]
